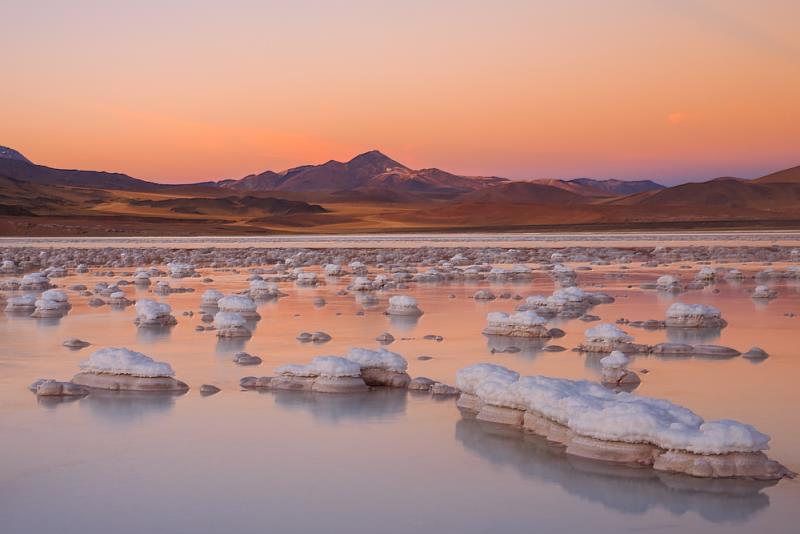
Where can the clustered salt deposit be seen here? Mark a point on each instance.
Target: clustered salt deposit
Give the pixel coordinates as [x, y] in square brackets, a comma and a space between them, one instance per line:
[607, 337]
[244, 306]
[403, 305]
[152, 313]
[519, 324]
[694, 316]
[231, 324]
[125, 369]
[614, 372]
[595, 422]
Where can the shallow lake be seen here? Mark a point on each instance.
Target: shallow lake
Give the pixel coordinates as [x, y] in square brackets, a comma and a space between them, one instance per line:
[382, 461]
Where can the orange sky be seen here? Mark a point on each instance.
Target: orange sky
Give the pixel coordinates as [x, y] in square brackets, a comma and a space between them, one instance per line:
[194, 90]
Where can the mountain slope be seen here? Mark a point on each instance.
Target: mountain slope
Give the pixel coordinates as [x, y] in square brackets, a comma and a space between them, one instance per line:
[618, 187]
[366, 172]
[21, 169]
[727, 192]
[10, 153]
[523, 193]
[785, 176]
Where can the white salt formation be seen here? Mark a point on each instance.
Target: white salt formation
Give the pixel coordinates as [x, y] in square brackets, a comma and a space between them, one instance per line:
[181, 270]
[380, 367]
[124, 369]
[614, 372]
[681, 315]
[231, 324]
[244, 306]
[47, 308]
[519, 324]
[668, 283]
[22, 303]
[403, 305]
[306, 279]
[326, 374]
[34, 281]
[261, 289]
[152, 313]
[607, 337]
[764, 293]
[210, 298]
[597, 423]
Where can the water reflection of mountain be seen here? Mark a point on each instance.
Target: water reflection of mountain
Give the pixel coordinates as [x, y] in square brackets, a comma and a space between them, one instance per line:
[123, 407]
[380, 403]
[628, 490]
[528, 346]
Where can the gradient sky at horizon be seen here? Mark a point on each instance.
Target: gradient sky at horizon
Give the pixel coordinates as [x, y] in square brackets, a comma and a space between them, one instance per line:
[178, 91]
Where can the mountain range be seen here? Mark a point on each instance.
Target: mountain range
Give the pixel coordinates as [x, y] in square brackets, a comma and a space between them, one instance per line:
[373, 192]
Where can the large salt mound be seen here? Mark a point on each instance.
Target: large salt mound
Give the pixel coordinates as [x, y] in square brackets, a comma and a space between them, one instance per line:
[607, 332]
[121, 361]
[591, 410]
[151, 311]
[694, 315]
[238, 304]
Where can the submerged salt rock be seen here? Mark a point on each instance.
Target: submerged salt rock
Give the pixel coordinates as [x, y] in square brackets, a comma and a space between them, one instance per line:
[681, 315]
[520, 324]
[717, 351]
[672, 349]
[421, 383]
[208, 389]
[755, 353]
[53, 388]
[75, 343]
[152, 313]
[728, 465]
[243, 358]
[385, 338]
[484, 294]
[403, 305]
[443, 390]
[124, 369]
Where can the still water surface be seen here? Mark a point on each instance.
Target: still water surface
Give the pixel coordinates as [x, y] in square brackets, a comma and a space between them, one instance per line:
[386, 461]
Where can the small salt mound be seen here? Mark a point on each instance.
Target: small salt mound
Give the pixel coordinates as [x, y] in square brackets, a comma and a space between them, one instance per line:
[236, 303]
[55, 295]
[379, 359]
[227, 320]
[150, 310]
[22, 301]
[402, 301]
[42, 304]
[121, 361]
[608, 332]
[211, 297]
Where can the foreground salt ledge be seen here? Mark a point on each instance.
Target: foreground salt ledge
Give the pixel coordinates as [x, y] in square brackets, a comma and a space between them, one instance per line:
[124, 369]
[594, 422]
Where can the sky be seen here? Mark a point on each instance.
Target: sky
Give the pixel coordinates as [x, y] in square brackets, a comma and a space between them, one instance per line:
[181, 91]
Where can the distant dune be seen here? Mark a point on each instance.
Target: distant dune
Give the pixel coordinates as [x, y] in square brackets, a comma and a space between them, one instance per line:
[374, 193]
